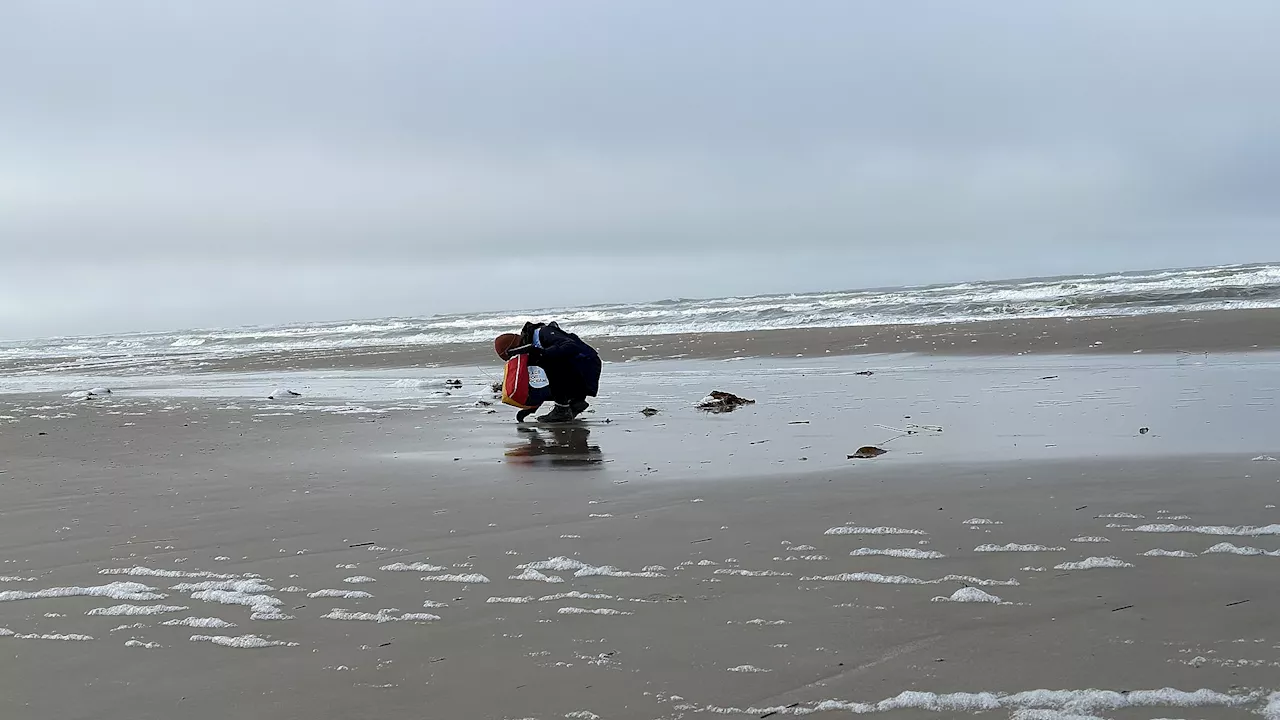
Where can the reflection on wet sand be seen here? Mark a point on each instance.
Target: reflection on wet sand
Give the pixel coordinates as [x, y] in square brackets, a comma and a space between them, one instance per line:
[554, 447]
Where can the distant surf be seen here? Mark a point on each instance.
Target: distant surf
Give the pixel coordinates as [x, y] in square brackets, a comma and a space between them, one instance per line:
[1119, 294]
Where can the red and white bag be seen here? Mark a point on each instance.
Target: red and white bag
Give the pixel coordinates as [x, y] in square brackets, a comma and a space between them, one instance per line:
[523, 385]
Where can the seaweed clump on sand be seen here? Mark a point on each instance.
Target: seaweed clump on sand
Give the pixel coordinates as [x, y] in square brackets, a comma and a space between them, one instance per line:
[722, 402]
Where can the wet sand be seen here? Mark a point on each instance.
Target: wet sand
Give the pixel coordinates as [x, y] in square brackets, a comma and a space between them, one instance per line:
[709, 571]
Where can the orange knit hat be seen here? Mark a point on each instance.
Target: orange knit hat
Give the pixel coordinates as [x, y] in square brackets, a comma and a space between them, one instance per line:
[503, 344]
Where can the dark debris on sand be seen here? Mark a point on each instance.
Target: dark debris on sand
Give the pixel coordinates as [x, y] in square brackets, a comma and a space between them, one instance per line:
[649, 412]
[867, 452]
[722, 402]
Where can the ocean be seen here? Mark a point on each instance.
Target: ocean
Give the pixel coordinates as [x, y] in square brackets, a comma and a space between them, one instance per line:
[1118, 294]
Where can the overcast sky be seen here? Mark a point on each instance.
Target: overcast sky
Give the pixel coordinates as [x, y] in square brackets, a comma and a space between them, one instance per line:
[213, 162]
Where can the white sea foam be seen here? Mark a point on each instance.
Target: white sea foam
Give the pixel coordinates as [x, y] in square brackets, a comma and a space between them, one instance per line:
[115, 591]
[134, 626]
[1157, 552]
[748, 669]
[1015, 547]
[751, 573]
[1130, 516]
[982, 521]
[856, 530]
[344, 594]
[1228, 548]
[1034, 569]
[358, 579]
[411, 567]
[763, 622]
[570, 537]
[595, 611]
[969, 595]
[242, 586]
[903, 579]
[1093, 563]
[511, 600]
[154, 572]
[433, 604]
[243, 641]
[264, 604]
[472, 579]
[198, 622]
[137, 610]
[53, 636]
[143, 645]
[11, 578]
[1090, 539]
[910, 553]
[1084, 703]
[1239, 530]
[382, 616]
[535, 576]
[575, 595]
[293, 589]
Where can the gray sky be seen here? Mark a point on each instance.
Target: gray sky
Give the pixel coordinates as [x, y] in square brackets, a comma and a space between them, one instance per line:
[170, 165]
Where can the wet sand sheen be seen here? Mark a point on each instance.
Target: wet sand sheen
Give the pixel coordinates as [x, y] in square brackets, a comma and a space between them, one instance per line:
[604, 584]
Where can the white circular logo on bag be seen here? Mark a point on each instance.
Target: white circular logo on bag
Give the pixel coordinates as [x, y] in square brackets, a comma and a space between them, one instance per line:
[537, 377]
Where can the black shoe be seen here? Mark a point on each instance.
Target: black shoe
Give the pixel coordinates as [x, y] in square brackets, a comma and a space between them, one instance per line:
[578, 407]
[561, 413]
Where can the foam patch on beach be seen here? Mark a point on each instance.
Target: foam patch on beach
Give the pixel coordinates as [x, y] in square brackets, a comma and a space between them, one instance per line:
[52, 636]
[115, 610]
[140, 571]
[242, 586]
[752, 573]
[1094, 563]
[1238, 530]
[1158, 552]
[243, 642]
[265, 605]
[748, 669]
[115, 591]
[575, 595]
[1130, 516]
[143, 645]
[1228, 548]
[1080, 703]
[982, 521]
[582, 569]
[904, 579]
[534, 576]
[473, 579]
[411, 567]
[857, 530]
[510, 600]
[208, 623]
[969, 595]
[382, 616]
[1090, 539]
[910, 553]
[594, 611]
[1015, 547]
[343, 594]
[359, 579]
